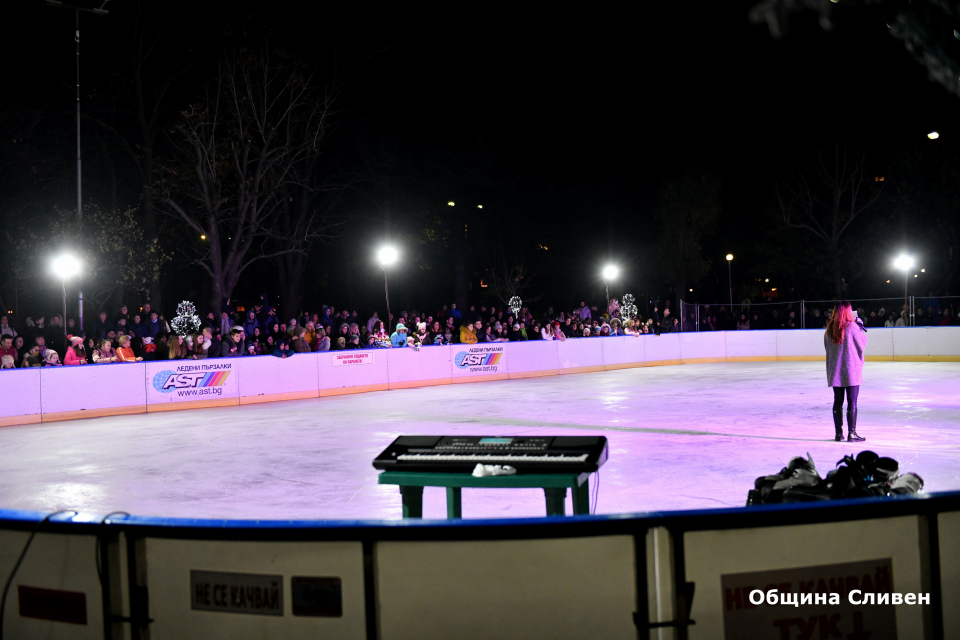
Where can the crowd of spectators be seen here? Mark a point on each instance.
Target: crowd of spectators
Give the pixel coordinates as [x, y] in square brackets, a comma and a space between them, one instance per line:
[929, 312]
[236, 331]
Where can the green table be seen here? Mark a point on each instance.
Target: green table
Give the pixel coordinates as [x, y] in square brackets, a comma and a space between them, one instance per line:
[554, 487]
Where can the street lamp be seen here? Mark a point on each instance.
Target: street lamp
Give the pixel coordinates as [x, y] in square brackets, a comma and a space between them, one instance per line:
[609, 273]
[65, 266]
[905, 263]
[387, 256]
[76, 38]
[730, 278]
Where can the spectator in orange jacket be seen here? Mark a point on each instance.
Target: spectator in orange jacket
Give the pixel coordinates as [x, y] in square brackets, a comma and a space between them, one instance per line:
[125, 352]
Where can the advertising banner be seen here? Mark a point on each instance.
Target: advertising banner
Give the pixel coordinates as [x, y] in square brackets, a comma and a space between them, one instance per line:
[192, 380]
[473, 360]
[806, 615]
[352, 357]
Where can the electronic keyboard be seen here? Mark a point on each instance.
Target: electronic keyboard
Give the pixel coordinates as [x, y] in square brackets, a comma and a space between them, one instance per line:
[527, 454]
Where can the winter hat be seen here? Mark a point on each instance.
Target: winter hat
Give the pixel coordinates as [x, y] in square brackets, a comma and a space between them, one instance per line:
[148, 340]
[516, 327]
[5, 360]
[52, 356]
[401, 327]
[421, 326]
[75, 340]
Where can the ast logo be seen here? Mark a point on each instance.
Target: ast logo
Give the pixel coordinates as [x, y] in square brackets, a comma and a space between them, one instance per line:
[479, 358]
[167, 381]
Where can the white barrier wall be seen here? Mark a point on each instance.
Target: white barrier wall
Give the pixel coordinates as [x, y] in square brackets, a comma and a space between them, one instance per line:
[566, 588]
[89, 391]
[340, 372]
[267, 379]
[184, 605]
[712, 556]
[56, 593]
[21, 396]
[61, 393]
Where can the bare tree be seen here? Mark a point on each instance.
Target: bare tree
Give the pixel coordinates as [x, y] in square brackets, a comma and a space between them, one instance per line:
[304, 220]
[509, 277]
[827, 203]
[239, 153]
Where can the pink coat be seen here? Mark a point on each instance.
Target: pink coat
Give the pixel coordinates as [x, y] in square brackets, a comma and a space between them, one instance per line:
[73, 358]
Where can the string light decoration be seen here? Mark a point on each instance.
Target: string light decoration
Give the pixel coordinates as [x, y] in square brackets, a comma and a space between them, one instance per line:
[186, 321]
[628, 309]
[515, 304]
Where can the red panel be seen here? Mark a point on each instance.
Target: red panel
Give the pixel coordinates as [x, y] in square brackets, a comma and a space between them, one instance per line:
[51, 604]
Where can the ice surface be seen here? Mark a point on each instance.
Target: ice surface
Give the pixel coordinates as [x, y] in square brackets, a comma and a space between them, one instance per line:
[681, 437]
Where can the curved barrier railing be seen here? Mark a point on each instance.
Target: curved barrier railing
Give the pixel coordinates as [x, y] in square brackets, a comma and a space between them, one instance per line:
[119, 576]
[64, 393]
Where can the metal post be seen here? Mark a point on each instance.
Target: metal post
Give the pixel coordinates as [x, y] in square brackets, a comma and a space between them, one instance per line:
[803, 316]
[64, 282]
[697, 316]
[906, 305]
[386, 290]
[607, 285]
[76, 38]
[730, 281]
[79, 174]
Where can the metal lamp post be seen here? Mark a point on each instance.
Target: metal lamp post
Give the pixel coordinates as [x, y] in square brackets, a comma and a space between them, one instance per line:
[76, 38]
[65, 266]
[905, 263]
[730, 278]
[387, 256]
[609, 273]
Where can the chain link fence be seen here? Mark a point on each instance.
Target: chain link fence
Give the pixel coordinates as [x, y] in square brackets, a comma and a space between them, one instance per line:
[812, 314]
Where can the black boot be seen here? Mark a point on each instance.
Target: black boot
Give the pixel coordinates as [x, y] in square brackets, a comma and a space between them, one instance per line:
[838, 423]
[852, 426]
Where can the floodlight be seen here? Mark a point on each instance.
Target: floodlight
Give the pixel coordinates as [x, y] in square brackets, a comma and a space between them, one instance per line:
[903, 262]
[387, 255]
[610, 272]
[65, 266]
[729, 257]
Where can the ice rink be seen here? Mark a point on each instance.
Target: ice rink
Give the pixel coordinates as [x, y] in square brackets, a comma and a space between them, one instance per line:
[681, 437]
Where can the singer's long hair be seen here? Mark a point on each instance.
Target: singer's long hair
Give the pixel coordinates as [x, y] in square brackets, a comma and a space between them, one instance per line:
[837, 325]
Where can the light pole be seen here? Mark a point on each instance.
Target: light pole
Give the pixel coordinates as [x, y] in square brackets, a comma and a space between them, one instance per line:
[609, 273]
[76, 38]
[905, 263]
[387, 256]
[730, 278]
[65, 266]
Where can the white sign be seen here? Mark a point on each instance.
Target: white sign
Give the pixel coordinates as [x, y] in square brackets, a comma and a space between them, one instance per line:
[816, 602]
[184, 380]
[354, 357]
[481, 360]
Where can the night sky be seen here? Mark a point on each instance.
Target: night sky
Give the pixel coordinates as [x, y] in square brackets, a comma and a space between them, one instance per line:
[571, 118]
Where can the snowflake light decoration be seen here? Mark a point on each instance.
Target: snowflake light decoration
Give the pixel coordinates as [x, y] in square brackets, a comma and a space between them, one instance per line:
[627, 308]
[186, 321]
[515, 304]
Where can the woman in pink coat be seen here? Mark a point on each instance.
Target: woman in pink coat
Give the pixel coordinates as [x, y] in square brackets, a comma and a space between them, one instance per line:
[75, 352]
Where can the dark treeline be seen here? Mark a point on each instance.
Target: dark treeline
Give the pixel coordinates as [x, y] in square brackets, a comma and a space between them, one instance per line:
[231, 149]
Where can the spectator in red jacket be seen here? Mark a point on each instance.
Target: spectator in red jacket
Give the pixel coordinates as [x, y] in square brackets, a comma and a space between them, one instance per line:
[7, 348]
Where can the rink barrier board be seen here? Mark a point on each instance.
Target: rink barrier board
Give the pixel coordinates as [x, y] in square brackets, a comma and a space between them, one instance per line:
[582, 576]
[711, 554]
[948, 531]
[67, 393]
